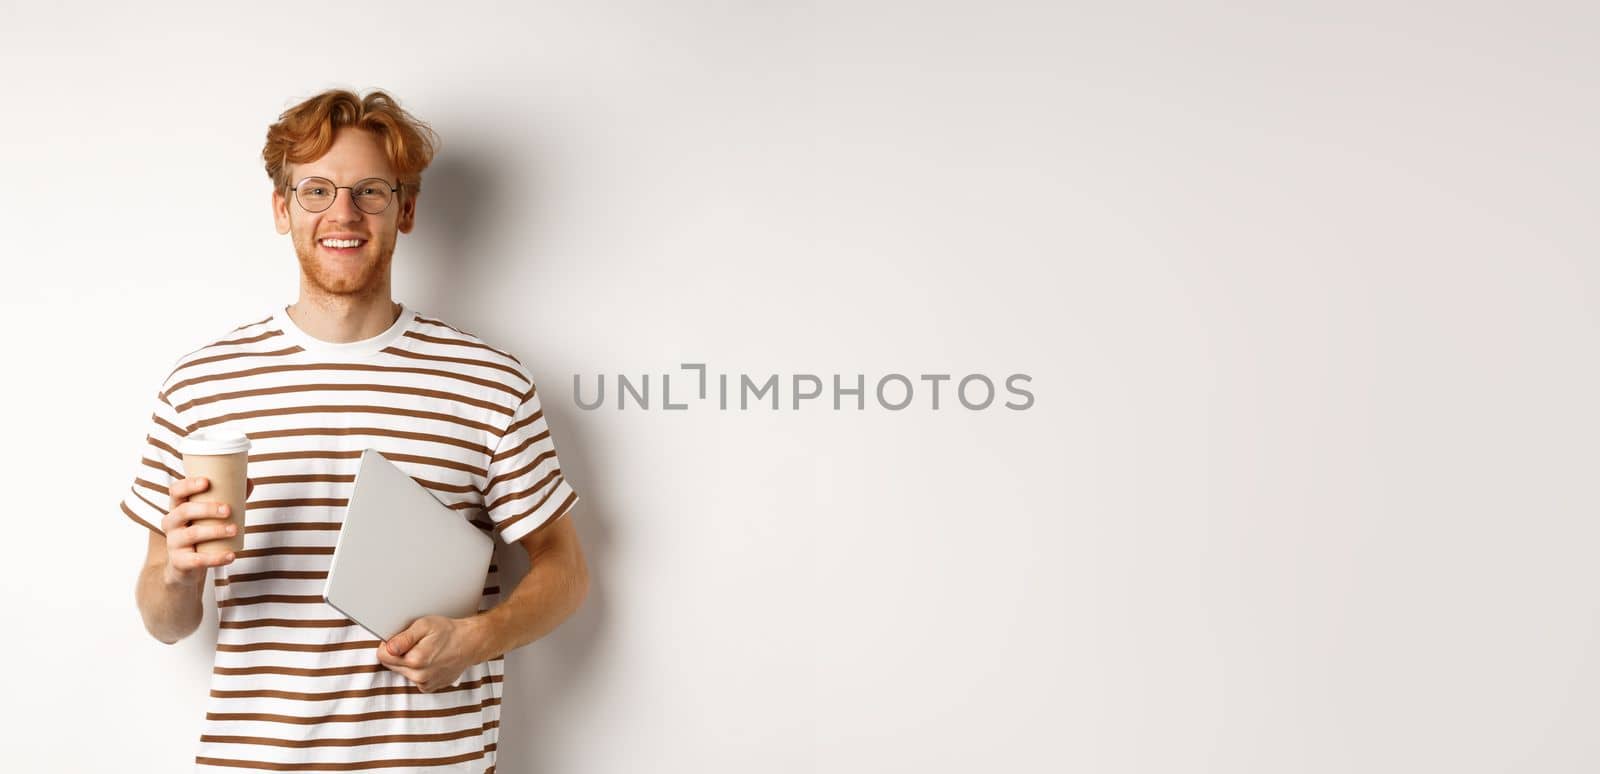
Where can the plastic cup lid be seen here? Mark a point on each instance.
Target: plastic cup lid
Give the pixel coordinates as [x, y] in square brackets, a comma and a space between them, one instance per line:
[214, 442]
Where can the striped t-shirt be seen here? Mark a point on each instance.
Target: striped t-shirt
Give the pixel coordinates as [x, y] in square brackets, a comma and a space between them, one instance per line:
[295, 685]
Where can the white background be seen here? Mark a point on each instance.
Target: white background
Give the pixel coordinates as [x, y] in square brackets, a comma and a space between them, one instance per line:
[1307, 292]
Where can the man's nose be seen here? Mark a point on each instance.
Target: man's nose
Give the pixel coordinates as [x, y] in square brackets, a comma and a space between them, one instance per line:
[344, 206]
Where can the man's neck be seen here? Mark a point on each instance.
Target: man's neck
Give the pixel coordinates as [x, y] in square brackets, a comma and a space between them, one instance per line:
[343, 319]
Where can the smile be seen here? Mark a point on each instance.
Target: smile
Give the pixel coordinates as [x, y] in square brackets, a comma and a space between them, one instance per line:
[342, 243]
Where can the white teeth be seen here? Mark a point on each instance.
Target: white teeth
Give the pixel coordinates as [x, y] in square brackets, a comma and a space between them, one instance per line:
[340, 242]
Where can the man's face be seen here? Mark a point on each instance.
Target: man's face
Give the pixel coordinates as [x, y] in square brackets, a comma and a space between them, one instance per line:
[354, 271]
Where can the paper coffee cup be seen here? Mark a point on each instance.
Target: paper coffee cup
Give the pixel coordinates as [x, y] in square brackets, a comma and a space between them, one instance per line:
[221, 456]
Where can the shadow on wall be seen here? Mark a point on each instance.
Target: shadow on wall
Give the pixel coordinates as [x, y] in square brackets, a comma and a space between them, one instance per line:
[449, 262]
[546, 679]
[443, 256]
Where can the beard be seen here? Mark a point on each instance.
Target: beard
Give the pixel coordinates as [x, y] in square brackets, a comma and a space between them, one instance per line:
[355, 278]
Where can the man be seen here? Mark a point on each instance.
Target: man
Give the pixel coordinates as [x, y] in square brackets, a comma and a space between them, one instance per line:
[296, 686]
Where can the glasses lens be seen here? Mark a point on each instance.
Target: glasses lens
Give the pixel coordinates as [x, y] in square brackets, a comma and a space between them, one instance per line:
[372, 195]
[315, 194]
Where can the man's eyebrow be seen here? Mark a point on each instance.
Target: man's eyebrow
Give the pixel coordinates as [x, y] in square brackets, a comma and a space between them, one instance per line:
[331, 177]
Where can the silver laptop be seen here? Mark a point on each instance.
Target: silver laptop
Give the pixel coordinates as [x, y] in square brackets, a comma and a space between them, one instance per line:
[402, 554]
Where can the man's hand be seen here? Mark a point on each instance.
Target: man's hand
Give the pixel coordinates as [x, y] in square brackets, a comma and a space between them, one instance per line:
[433, 651]
[185, 566]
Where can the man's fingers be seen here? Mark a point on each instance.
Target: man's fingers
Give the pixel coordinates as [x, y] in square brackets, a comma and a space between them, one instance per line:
[418, 657]
[194, 510]
[414, 675]
[189, 560]
[185, 538]
[215, 560]
[184, 487]
[179, 509]
[389, 659]
[177, 518]
[204, 532]
[401, 666]
[418, 676]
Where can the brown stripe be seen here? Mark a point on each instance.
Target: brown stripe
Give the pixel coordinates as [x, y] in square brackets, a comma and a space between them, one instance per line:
[459, 343]
[290, 350]
[293, 599]
[388, 690]
[249, 553]
[146, 501]
[347, 409]
[444, 736]
[132, 515]
[250, 339]
[448, 359]
[268, 318]
[531, 440]
[540, 484]
[351, 478]
[247, 340]
[519, 471]
[293, 623]
[153, 486]
[365, 367]
[161, 467]
[301, 478]
[561, 510]
[524, 422]
[297, 647]
[443, 487]
[443, 324]
[500, 528]
[378, 764]
[162, 445]
[291, 526]
[172, 428]
[298, 502]
[438, 394]
[378, 431]
[246, 577]
[260, 599]
[350, 455]
[354, 717]
[300, 671]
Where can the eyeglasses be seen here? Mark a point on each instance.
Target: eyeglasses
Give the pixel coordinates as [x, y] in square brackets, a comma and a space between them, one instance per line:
[371, 195]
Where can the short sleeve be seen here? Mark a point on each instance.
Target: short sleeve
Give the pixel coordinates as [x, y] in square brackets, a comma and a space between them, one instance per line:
[526, 489]
[160, 465]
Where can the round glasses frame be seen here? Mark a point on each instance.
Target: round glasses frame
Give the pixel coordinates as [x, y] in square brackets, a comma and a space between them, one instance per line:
[365, 183]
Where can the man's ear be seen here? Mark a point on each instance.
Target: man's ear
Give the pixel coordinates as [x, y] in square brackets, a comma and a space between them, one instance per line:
[280, 211]
[408, 211]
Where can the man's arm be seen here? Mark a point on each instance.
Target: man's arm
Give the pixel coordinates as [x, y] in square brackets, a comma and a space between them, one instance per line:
[171, 586]
[434, 650]
[554, 589]
[170, 611]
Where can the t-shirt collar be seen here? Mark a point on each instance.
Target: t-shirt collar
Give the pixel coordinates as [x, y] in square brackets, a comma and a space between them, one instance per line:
[345, 349]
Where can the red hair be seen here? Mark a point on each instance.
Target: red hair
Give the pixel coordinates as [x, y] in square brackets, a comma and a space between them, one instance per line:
[305, 132]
